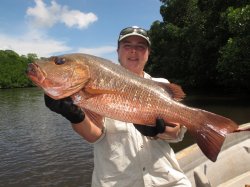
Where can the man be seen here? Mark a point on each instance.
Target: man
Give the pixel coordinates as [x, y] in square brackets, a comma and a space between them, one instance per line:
[124, 155]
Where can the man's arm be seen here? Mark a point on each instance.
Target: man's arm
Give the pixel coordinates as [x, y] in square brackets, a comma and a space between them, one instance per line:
[90, 129]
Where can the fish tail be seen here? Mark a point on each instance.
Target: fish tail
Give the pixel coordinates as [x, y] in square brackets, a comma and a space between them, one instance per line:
[243, 128]
[211, 132]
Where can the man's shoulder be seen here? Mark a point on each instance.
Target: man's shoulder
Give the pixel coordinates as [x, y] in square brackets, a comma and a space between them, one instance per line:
[163, 80]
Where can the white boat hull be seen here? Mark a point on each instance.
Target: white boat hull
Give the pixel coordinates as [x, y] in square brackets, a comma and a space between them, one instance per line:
[231, 169]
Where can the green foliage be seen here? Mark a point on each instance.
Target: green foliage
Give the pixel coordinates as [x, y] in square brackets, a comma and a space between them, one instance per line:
[199, 42]
[12, 69]
[234, 62]
[238, 20]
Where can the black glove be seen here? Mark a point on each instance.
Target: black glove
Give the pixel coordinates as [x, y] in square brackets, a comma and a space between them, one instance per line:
[66, 108]
[152, 131]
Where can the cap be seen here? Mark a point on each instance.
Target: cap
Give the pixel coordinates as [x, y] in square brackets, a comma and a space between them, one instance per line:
[134, 31]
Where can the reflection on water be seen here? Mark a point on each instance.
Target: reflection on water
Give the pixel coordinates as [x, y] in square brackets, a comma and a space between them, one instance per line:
[39, 148]
[235, 107]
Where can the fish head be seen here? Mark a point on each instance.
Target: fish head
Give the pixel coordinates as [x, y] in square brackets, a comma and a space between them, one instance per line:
[59, 76]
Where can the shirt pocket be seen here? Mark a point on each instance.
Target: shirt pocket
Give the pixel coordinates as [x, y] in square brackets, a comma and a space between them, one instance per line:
[117, 136]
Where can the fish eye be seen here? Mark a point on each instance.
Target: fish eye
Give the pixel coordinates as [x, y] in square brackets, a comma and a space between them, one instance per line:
[59, 60]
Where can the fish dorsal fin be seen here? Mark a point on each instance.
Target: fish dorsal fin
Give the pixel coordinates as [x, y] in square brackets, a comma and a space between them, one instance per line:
[174, 90]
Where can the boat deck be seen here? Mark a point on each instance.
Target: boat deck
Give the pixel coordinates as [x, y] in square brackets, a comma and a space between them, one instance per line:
[231, 169]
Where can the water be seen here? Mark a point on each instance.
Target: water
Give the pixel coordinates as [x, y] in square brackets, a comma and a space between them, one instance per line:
[39, 147]
[235, 107]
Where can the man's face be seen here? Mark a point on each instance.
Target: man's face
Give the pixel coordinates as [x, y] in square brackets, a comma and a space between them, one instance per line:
[133, 53]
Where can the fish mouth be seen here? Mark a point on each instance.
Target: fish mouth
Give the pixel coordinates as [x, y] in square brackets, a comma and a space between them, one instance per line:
[35, 73]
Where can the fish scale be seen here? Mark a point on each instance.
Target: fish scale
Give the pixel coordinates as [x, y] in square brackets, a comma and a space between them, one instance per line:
[110, 90]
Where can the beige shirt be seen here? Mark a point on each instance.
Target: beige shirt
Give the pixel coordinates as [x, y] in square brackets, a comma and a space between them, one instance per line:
[123, 157]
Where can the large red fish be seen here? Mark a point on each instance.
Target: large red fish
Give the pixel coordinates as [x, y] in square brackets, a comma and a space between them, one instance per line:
[110, 90]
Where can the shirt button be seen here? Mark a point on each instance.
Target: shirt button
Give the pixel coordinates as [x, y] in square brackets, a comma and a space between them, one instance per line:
[141, 146]
[143, 169]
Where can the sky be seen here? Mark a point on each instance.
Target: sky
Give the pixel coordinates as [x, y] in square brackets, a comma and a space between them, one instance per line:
[54, 27]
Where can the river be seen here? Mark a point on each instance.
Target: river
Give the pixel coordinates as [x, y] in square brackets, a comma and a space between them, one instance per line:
[39, 147]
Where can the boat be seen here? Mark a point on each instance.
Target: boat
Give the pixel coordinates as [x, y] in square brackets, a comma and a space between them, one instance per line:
[231, 169]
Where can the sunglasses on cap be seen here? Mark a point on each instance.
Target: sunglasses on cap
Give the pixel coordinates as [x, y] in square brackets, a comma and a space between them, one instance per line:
[137, 31]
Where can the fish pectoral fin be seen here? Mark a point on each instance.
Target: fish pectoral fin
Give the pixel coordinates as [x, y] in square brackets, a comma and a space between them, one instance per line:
[98, 91]
[174, 90]
[94, 117]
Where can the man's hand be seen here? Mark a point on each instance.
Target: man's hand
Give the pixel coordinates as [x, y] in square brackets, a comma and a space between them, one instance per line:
[152, 131]
[171, 132]
[66, 108]
[174, 133]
